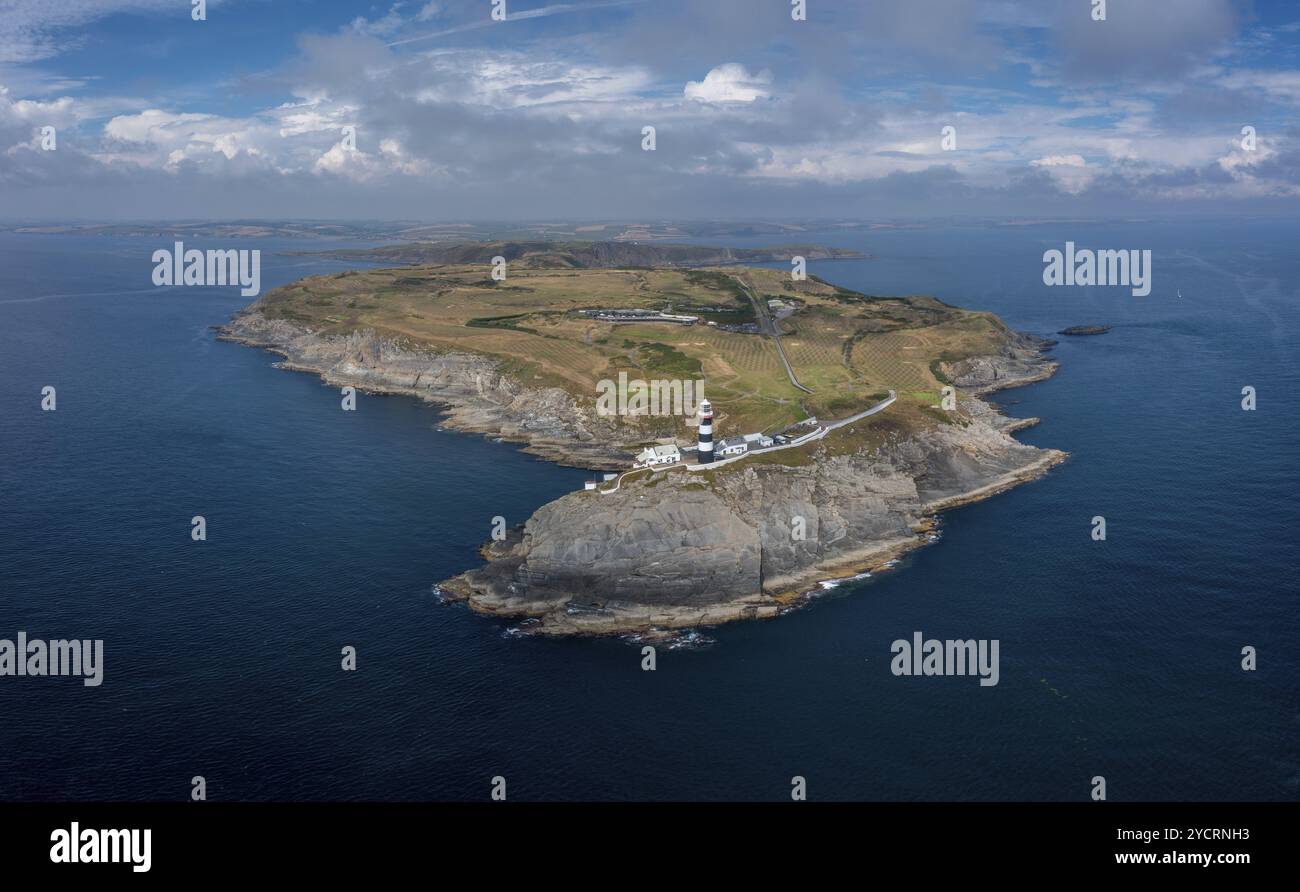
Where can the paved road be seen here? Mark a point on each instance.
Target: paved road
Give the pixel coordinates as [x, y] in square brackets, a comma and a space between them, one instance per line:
[770, 328]
[799, 441]
[883, 404]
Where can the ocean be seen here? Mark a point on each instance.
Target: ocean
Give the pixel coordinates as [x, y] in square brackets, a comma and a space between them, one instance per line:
[327, 529]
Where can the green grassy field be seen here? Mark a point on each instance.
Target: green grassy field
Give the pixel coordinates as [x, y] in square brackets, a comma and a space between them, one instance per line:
[844, 346]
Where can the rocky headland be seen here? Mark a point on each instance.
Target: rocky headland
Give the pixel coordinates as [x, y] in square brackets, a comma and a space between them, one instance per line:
[677, 548]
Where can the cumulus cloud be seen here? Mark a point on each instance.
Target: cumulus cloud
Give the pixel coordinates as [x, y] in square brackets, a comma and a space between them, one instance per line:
[158, 138]
[391, 158]
[730, 83]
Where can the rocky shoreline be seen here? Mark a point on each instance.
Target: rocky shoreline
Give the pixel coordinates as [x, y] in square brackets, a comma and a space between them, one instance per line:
[471, 389]
[676, 550]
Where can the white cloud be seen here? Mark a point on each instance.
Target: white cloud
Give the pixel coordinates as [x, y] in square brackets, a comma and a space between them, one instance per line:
[1060, 161]
[360, 166]
[1282, 86]
[313, 116]
[60, 112]
[511, 81]
[391, 22]
[286, 140]
[730, 83]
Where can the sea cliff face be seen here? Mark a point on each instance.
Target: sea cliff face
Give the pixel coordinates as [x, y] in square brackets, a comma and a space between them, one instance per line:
[477, 395]
[1020, 362]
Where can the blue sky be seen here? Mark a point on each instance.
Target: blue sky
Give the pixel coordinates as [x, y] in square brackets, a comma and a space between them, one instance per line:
[458, 116]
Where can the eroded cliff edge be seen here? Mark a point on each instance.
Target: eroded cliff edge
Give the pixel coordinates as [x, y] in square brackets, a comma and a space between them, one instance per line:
[476, 393]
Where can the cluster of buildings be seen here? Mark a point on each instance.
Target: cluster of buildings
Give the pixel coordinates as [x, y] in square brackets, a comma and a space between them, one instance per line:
[740, 445]
[640, 316]
[780, 309]
[665, 455]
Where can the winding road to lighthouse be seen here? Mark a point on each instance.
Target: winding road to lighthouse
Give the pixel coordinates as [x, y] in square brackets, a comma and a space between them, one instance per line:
[809, 437]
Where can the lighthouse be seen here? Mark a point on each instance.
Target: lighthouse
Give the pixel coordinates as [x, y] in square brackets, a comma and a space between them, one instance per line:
[705, 453]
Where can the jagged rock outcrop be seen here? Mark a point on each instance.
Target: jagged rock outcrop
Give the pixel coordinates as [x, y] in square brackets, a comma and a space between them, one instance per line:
[1019, 363]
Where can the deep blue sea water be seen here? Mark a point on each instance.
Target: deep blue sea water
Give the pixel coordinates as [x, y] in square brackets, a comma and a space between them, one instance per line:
[326, 528]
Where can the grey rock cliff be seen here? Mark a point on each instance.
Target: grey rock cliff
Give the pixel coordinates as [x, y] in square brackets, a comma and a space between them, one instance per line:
[1019, 363]
[679, 549]
[478, 397]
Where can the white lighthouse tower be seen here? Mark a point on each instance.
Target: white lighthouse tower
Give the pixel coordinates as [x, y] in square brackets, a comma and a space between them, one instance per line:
[705, 453]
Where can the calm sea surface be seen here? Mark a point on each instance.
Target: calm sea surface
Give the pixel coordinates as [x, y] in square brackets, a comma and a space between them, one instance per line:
[326, 528]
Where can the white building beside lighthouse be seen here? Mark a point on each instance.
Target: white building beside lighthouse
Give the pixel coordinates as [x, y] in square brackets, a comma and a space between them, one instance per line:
[740, 445]
[658, 456]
